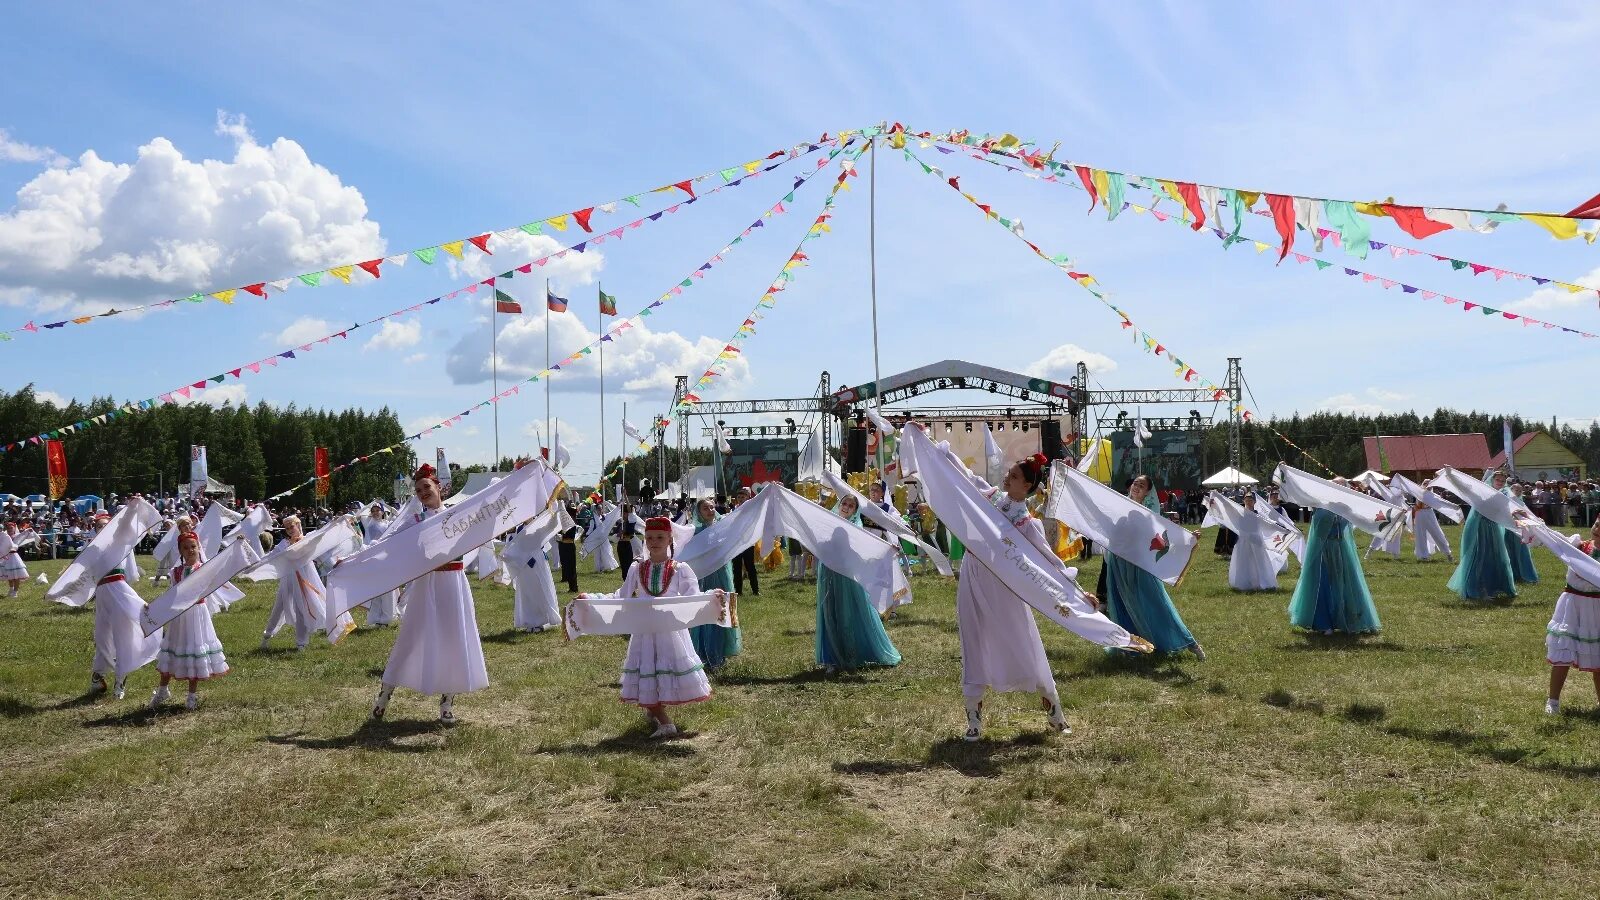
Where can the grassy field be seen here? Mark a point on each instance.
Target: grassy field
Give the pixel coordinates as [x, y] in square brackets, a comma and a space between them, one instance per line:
[1414, 763]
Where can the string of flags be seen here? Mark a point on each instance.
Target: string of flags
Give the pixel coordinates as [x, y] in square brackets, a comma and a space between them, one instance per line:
[845, 139]
[1229, 240]
[768, 300]
[1182, 370]
[1351, 218]
[191, 389]
[1397, 251]
[372, 269]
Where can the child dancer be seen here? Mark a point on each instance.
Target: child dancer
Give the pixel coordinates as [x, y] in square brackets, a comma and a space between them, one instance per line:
[12, 569]
[190, 648]
[1572, 639]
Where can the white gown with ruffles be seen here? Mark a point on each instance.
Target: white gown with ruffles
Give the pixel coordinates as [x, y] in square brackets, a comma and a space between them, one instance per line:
[190, 647]
[1573, 636]
[662, 669]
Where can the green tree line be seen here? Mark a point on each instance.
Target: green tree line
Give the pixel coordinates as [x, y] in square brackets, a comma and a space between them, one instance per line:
[260, 450]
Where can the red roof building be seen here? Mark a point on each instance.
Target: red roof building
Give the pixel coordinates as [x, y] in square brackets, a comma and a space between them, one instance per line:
[1419, 456]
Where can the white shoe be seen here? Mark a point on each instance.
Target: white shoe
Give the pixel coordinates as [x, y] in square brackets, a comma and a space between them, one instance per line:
[162, 694]
[1058, 719]
[1199, 653]
[1552, 707]
[192, 701]
[447, 709]
[97, 683]
[974, 723]
[665, 731]
[119, 688]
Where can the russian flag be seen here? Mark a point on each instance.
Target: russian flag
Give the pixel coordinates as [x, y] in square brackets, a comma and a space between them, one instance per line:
[556, 304]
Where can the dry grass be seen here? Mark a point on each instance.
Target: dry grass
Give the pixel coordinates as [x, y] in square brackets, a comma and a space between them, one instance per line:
[1416, 763]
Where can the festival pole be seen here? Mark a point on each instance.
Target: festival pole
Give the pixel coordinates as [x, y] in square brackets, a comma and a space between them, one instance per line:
[600, 328]
[872, 267]
[547, 364]
[494, 369]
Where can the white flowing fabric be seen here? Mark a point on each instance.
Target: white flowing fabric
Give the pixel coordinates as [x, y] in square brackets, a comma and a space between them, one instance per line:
[1114, 521]
[409, 513]
[253, 525]
[661, 666]
[888, 522]
[209, 528]
[485, 562]
[1011, 572]
[11, 565]
[532, 582]
[213, 575]
[130, 568]
[1427, 498]
[598, 541]
[26, 537]
[416, 550]
[836, 543]
[1277, 516]
[812, 463]
[107, 551]
[301, 598]
[120, 645]
[993, 460]
[1364, 511]
[166, 549]
[384, 608]
[1262, 550]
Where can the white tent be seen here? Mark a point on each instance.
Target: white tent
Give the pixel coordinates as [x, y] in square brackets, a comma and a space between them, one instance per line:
[671, 493]
[1370, 475]
[1228, 476]
[476, 482]
[702, 482]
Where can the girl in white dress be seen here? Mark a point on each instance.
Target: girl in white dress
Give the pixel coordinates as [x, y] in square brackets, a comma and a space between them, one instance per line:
[1572, 639]
[383, 609]
[190, 648]
[661, 670]
[438, 650]
[12, 569]
[301, 598]
[535, 607]
[1251, 567]
[1000, 645]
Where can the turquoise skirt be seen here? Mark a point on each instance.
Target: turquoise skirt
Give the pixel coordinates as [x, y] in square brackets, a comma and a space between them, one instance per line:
[1484, 572]
[713, 643]
[1332, 594]
[849, 633]
[1521, 559]
[1138, 601]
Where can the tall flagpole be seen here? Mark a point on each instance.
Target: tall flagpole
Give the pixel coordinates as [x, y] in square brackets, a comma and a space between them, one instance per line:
[494, 367]
[872, 267]
[600, 325]
[547, 430]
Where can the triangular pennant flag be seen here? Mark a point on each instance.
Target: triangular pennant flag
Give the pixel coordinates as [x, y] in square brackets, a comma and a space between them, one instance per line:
[481, 242]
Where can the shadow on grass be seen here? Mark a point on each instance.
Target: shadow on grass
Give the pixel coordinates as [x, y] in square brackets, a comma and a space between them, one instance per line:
[942, 625]
[636, 741]
[137, 718]
[61, 609]
[807, 676]
[1493, 603]
[983, 758]
[1480, 745]
[374, 734]
[1315, 642]
[12, 708]
[278, 650]
[1164, 668]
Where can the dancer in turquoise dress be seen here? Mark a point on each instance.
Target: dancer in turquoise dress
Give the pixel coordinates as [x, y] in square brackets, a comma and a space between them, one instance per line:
[1485, 571]
[713, 643]
[1138, 600]
[1521, 558]
[1332, 593]
[849, 632]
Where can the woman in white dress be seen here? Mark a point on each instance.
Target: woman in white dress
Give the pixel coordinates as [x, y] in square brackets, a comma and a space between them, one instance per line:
[383, 609]
[12, 570]
[190, 648]
[1430, 537]
[1572, 640]
[1252, 567]
[535, 608]
[438, 650]
[1001, 649]
[661, 670]
[301, 599]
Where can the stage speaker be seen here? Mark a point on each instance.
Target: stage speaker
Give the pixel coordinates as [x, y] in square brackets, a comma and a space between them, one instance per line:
[855, 450]
[1050, 439]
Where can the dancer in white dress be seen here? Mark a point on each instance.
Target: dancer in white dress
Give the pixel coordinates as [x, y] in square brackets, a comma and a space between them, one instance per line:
[438, 650]
[661, 670]
[1254, 565]
[12, 570]
[190, 648]
[535, 608]
[120, 644]
[1572, 640]
[301, 596]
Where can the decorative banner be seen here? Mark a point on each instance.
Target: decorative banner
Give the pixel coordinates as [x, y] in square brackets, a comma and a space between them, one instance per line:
[1321, 264]
[187, 391]
[347, 272]
[1187, 373]
[1321, 234]
[1349, 217]
[844, 140]
[55, 464]
[441, 468]
[199, 476]
[320, 462]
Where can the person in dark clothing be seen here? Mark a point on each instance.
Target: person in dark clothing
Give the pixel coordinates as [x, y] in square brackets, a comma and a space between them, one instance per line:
[745, 562]
[567, 545]
[626, 531]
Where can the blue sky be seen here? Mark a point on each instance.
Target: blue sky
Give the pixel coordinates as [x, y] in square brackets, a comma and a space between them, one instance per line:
[392, 129]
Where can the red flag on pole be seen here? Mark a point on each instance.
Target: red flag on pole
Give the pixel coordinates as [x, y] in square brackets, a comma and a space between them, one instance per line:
[323, 481]
[55, 456]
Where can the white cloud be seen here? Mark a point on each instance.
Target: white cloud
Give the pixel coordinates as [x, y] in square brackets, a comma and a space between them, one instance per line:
[414, 358]
[1560, 298]
[572, 436]
[1374, 401]
[304, 330]
[395, 335]
[236, 394]
[520, 249]
[16, 151]
[93, 231]
[415, 425]
[1061, 364]
[51, 397]
[637, 360]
